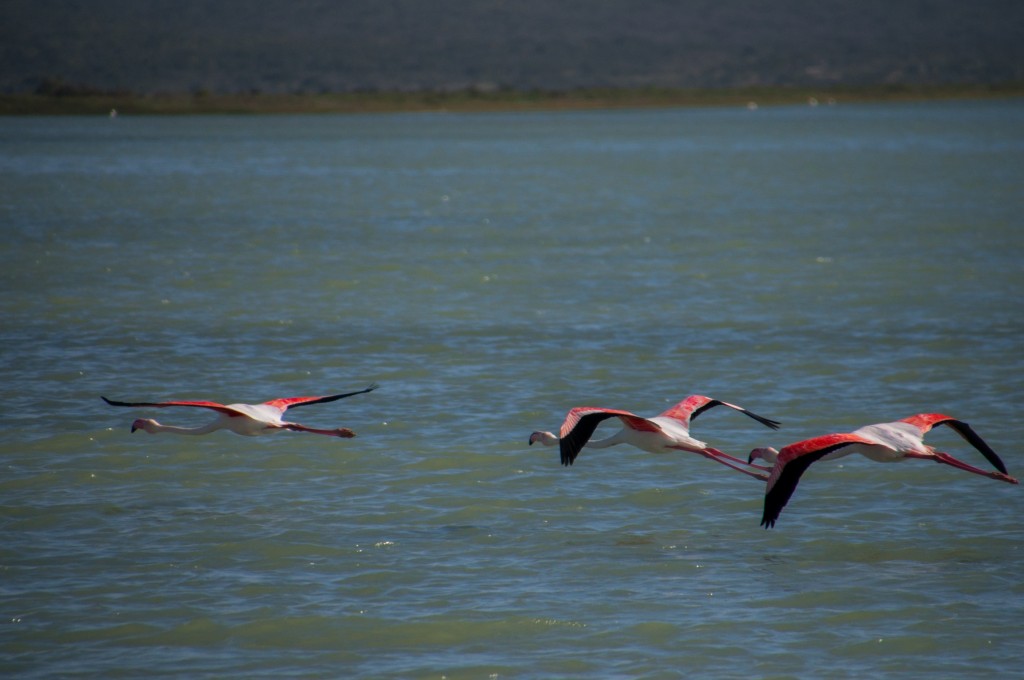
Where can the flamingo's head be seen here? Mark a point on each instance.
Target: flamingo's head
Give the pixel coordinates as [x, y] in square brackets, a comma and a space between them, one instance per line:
[147, 424]
[344, 432]
[766, 453]
[545, 438]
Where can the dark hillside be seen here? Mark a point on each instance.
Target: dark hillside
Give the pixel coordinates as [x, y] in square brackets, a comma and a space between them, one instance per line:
[319, 46]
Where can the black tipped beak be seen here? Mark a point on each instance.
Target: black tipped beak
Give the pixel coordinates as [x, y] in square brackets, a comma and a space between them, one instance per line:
[134, 428]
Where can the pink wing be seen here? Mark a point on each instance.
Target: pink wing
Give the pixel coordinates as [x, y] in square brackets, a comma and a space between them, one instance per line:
[220, 408]
[594, 414]
[280, 404]
[684, 410]
[292, 402]
[581, 422]
[819, 446]
[695, 404]
[926, 421]
[792, 463]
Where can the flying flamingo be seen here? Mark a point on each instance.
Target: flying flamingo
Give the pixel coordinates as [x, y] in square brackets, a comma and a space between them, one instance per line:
[882, 443]
[247, 419]
[666, 432]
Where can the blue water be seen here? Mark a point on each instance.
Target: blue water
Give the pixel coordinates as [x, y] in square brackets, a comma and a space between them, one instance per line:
[828, 267]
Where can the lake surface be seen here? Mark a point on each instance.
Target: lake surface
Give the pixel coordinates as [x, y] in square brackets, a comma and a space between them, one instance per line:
[827, 267]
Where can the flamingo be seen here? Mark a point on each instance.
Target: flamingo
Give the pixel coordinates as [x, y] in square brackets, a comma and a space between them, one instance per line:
[661, 434]
[246, 419]
[882, 442]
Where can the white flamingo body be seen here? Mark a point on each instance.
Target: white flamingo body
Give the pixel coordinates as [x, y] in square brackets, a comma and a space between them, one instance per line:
[892, 442]
[666, 436]
[249, 420]
[883, 443]
[669, 431]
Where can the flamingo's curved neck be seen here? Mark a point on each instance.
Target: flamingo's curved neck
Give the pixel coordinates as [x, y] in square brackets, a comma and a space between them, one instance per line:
[544, 438]
[154, 427]
[604, 443]
[768, 455]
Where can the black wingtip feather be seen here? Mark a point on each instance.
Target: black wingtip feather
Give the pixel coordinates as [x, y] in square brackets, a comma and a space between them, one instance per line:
[776, 498]
[975, 440]
[771, 513]
[767, 422]
[336, 397]
[573, 442]
[566, 452]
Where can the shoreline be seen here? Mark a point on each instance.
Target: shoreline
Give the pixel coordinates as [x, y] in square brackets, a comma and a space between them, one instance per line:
[477, 101]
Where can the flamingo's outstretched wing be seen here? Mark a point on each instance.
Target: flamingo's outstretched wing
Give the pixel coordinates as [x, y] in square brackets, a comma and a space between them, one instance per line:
[926, 421]
[792, 463]
[580, 423]
[695, 404]
[294, 402]
[220, 408]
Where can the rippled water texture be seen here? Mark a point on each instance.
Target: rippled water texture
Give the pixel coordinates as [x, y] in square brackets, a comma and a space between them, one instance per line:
[828, 267]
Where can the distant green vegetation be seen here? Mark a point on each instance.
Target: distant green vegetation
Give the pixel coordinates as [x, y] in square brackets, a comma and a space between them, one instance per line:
[86, 102]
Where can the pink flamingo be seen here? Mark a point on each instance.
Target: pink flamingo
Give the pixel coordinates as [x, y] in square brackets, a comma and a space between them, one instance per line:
[882, 443]
[669, 431]
[246, 419]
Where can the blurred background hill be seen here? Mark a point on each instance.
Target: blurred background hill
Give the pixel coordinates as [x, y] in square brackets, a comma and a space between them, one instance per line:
[316, 46]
